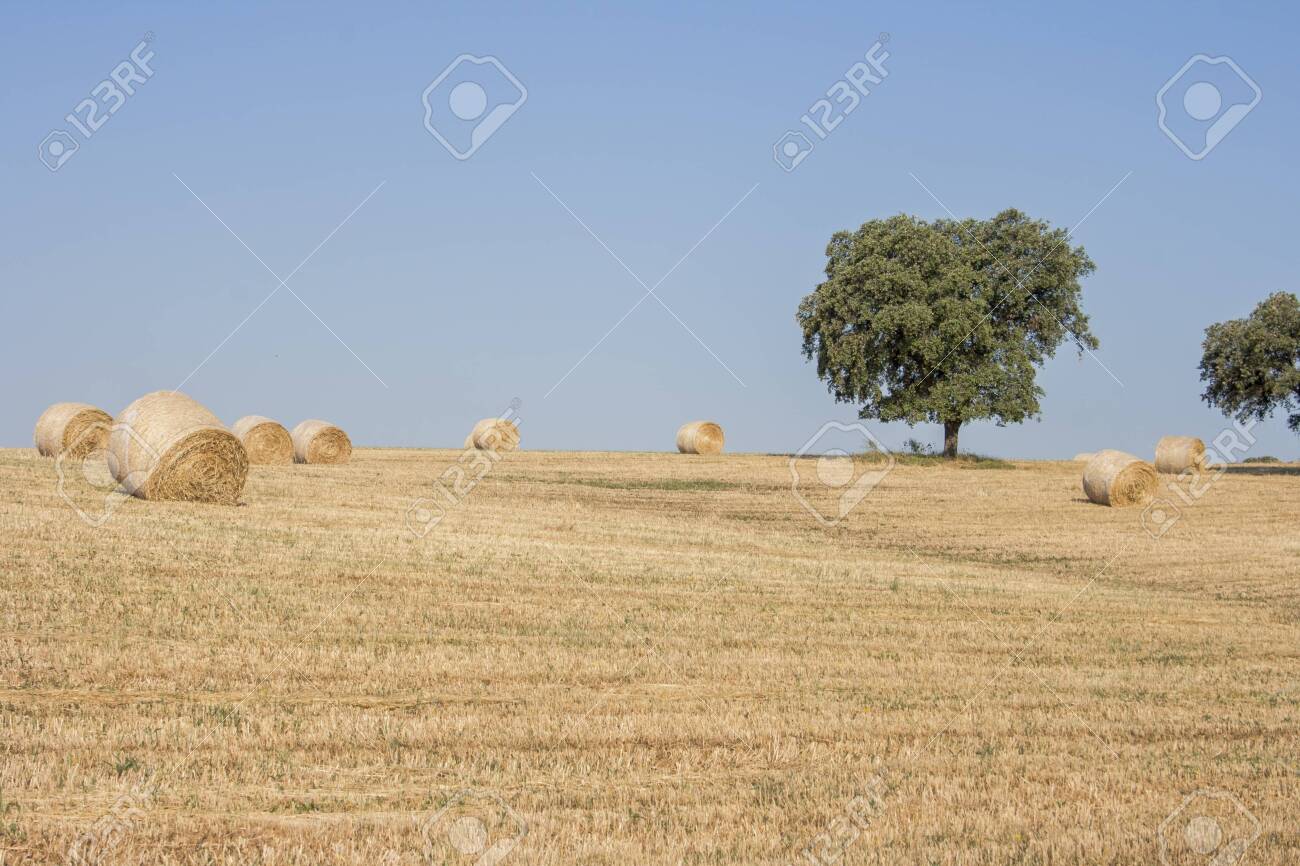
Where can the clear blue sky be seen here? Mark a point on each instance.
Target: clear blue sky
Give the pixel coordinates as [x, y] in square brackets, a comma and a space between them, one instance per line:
[464, 284]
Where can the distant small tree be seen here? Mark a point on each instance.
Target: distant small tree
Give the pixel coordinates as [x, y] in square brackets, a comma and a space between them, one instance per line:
[1252, 365]
[945, 321]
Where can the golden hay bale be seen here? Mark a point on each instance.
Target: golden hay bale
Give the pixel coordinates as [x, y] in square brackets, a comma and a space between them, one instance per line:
[267, 442]
[74, 429]
[168, 446]
[1118, 479]
[494, 434]
[1175, 454]
[700, 437]
[320, 442]
[1083, 457]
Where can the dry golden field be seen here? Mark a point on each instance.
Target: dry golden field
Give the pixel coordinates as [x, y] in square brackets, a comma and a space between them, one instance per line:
[648, 658]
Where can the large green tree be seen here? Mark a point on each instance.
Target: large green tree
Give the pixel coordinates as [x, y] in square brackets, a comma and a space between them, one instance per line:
[1252, 365]
[945, 321]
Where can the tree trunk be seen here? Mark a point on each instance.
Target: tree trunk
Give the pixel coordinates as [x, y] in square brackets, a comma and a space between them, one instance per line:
[950, 429]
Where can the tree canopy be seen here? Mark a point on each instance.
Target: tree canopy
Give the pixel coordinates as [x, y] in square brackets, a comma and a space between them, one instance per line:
[1252, 365]
[945, 321]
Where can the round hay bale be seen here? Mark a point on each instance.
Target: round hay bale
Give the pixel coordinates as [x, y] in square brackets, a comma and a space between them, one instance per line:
[494, 434]
[267, 442]
[73, 429]
[317, 441]
[1176, 454]
[700, 437]
[1083, 457]
[1118, 479]
[166, 446]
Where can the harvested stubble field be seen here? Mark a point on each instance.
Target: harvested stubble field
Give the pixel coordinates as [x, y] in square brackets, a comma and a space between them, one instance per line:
[649, 658]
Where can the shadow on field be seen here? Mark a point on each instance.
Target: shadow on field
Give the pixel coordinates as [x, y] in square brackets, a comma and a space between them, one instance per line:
[1264, 469]
[961, 461]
